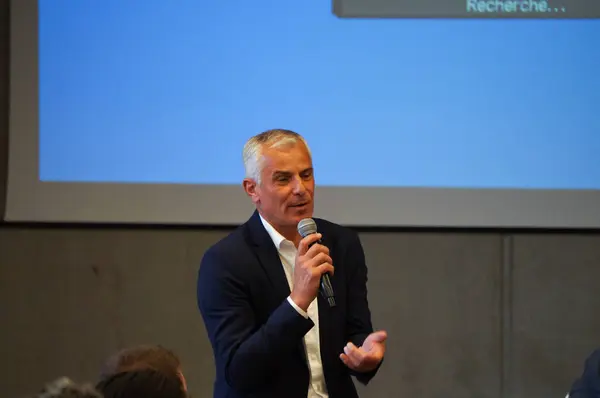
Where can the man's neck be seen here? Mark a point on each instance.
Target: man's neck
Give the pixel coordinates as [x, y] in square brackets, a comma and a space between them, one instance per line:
[288, 232]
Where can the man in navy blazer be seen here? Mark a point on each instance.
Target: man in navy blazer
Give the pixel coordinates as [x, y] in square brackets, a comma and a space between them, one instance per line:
[272, 334]
[588, 384]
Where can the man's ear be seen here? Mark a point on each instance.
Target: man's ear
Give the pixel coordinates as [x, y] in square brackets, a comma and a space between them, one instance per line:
[250, 187]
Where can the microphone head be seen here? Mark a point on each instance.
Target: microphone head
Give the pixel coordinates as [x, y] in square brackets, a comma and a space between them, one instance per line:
[307, 226]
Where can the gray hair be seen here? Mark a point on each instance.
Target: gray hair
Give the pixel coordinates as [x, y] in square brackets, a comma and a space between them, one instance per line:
[66, 388]
[275, 138]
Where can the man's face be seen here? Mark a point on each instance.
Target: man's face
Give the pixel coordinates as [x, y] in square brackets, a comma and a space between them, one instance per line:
[285, 195]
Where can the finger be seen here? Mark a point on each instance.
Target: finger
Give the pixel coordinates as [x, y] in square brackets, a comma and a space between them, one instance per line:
[379, 336]
[316, 249]
[305, 243]
[349, 349]
[324, 268]
[346, 360]
[355, 355]
[349, 362]
[319, 259]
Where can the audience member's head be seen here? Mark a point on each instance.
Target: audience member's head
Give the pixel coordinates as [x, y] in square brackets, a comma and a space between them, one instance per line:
[66, 388]
[141, 357]
[143, 383]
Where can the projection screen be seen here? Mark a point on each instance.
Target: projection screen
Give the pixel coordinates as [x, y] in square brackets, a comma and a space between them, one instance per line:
[129, 112]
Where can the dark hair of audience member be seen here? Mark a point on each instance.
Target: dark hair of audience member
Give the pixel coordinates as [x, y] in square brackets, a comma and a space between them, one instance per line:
[144, 383]
[143, 357]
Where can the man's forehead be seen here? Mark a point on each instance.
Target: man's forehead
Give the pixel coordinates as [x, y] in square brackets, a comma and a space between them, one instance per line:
[287, 148]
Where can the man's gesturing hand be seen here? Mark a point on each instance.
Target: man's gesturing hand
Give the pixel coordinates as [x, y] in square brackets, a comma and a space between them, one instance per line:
[368, 356]
[310, 264]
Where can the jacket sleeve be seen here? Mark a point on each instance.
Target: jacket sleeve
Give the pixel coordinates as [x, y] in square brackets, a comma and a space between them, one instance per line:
[358, 318]
[246, 352]
[588, 384]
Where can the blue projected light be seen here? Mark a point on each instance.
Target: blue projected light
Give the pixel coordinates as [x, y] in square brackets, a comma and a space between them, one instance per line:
[163, 92]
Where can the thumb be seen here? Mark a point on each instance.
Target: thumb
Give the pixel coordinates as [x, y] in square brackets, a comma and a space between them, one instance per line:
[379, 336]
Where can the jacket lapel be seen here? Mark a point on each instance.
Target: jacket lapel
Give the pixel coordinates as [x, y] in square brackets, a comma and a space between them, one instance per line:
[268, 256]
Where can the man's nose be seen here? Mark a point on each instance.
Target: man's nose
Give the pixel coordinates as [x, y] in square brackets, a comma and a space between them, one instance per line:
[298, 186]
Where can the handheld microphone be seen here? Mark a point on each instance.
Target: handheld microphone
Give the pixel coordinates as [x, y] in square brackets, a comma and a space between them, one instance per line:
[307, 226]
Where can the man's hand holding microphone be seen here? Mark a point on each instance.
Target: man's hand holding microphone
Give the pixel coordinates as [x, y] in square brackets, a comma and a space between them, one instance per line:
[311, 262]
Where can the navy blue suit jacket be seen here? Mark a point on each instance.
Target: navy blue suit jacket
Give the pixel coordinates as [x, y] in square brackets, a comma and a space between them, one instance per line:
[588, 384]
[257, 336]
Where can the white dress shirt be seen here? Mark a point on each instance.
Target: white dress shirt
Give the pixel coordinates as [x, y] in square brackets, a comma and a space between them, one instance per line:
[287, 253]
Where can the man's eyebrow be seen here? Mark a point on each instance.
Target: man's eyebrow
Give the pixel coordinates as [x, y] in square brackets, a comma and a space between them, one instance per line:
[289, 173]
[281, 173]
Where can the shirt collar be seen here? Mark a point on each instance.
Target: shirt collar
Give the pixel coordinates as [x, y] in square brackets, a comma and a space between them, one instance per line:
[276, 237]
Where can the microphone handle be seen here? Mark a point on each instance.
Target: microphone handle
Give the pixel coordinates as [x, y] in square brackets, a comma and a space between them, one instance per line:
[326, 289]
